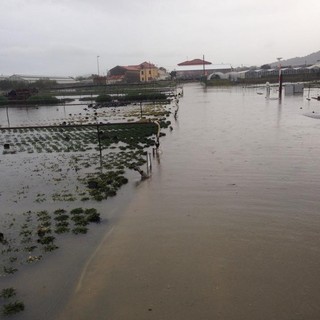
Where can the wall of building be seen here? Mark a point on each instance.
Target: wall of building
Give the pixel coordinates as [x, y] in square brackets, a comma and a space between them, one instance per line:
[148, 74]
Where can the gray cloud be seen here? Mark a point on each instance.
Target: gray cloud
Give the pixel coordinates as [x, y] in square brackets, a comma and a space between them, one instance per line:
[65, 36]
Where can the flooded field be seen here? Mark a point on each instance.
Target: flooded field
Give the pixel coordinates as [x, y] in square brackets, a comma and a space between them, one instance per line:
[54, 186]
[227, 227]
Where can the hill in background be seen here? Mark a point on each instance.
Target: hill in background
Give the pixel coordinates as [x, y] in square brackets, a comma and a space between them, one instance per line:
[300, 61]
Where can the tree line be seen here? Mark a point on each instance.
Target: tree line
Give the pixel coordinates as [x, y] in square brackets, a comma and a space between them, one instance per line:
[6, 85]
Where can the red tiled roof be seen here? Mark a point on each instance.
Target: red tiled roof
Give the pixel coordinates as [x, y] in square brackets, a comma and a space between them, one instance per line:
[194, 62]
[146, 65]
[131, 68]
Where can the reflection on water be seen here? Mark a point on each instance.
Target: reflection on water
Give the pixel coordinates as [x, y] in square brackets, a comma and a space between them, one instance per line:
[45, 115]
[246, 170]
[239, 138]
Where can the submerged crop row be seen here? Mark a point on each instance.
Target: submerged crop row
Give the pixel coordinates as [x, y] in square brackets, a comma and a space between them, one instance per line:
[79, 139]
[33, 239]
[56, 165]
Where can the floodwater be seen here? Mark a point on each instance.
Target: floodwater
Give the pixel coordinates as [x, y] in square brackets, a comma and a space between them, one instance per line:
[227, 227]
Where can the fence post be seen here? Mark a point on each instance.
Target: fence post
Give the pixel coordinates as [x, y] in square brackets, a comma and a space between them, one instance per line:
[99, 142]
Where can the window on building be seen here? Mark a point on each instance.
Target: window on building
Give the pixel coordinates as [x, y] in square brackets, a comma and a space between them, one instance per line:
[142, 72]
[149, 71]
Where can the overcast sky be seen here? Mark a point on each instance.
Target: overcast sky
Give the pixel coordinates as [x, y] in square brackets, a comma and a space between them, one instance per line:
[64, 37]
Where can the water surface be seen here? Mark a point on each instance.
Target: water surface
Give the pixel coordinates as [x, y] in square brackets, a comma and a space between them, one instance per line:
[228, 225]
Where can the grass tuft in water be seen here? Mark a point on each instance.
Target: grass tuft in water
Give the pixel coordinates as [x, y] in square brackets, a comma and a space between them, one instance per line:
[12, 308]
[7, 293]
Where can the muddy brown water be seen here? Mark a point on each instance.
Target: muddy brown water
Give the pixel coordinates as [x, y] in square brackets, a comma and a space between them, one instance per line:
[227, 227]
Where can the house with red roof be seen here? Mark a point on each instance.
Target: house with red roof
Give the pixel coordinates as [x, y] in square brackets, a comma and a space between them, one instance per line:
[144, 72]
[194, 62]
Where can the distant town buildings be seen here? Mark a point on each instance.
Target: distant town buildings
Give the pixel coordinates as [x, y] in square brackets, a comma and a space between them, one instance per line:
[197, 68]
[303, 73]
[188, 70]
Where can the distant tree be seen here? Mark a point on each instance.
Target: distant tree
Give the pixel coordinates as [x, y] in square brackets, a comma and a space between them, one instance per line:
[103, 98]
[7, 84]
[265, 66]
[173, 74]
[81, 78]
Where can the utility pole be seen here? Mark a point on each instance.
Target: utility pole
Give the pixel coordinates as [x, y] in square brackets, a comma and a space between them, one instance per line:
[204, 70]
[98, 65]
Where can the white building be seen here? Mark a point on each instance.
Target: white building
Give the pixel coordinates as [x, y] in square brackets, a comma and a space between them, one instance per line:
[34, 78]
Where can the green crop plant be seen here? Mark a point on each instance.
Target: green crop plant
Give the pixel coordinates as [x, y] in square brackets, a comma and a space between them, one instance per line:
[80, 230]
[60, 211]
[61, 217]
[92, 215]
[79, 220]
[7, 293]
[9, 270]
[61, 229]
[46, 240]
[50, 247]
[12, 308]
[77, 211]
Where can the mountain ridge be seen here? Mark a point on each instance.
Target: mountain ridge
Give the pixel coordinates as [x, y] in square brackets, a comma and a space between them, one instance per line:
[309, 59]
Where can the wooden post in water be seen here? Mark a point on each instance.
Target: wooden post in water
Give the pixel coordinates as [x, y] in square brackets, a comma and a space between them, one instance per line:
[7, 111]
[280, 84]
[99, 142]
[150, 162]
[280, 79]
[148, 173]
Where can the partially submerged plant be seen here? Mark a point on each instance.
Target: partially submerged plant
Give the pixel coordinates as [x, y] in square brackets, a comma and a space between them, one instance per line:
[92, 215]
[50, 247]
[62, 217]
[80, 220]
[77, 211]
[61, 229]
[60, 211]
[12, 308]
[46, 240]
[7, 293]
[9, 270]
[80, 229]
